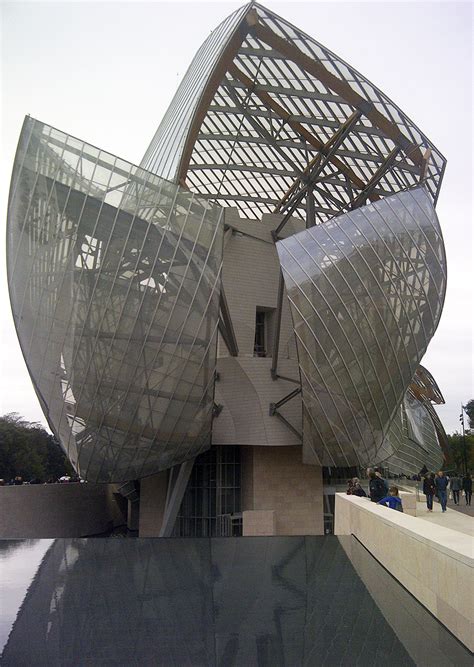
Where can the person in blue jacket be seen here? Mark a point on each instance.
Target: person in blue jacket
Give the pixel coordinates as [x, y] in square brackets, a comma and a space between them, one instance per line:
[441, 483]
[392, 500]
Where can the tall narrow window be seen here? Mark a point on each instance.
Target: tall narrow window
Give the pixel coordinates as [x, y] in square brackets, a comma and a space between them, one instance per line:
[263, 331]
[259, 349]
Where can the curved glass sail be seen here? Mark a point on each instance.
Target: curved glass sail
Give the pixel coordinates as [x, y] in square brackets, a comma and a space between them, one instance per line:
[413, 440]
[114, 277]
[264, 106]
[366, 291]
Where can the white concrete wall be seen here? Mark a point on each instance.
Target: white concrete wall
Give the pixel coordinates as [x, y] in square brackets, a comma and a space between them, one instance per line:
[57, 510]
[245, 388]
[434, 563]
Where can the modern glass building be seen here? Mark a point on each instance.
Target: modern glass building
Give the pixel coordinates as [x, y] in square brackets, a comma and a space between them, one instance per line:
[251, 304]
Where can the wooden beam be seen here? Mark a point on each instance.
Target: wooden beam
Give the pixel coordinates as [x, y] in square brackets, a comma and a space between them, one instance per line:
[340, 87]
[220, 69]
[318, 164]
[424, 166]
[272, 104]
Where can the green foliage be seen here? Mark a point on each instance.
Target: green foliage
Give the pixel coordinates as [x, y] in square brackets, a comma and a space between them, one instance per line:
[456, 445]
[27, 450]
[469, 409]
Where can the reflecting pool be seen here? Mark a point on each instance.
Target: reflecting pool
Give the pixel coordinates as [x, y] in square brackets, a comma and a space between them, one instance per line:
[224, 601]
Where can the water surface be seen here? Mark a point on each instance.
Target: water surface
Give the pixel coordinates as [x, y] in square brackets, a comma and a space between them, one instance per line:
[223, 601]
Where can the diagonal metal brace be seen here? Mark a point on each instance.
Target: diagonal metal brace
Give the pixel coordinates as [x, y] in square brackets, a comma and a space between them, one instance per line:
[274, 406]
[226, 328]
[178, 480]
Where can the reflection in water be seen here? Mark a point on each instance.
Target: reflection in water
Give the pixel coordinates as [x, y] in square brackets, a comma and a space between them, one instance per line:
[224, 601]
[19, 562]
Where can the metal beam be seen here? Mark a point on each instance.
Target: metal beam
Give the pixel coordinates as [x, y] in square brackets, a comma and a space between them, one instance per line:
[255, 123]
[276, 330]
[362, 197]
[178, 480]
[274, 406]
[286, 143]
[283, 377]
[269, 102]
[314, 169]
[288, 425]
[226, 328]
[340, 87]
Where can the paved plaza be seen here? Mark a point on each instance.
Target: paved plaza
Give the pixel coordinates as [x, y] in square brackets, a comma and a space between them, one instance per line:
[452, 518]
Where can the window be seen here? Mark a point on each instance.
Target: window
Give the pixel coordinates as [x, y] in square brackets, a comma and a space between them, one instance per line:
[264, 319]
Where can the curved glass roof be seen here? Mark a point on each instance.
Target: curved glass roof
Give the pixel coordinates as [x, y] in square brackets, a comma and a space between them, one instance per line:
[268, 120]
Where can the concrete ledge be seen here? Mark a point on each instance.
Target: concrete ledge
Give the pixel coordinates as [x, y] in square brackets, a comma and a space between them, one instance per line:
[409, 502]
[434, 563]
[57, 510]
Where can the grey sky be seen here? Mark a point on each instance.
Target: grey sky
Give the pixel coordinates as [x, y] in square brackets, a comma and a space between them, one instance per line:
[106, 72]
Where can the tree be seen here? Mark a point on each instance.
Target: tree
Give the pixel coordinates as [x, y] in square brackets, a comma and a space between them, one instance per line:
[457, 450]
[27, 450]
[469, 410]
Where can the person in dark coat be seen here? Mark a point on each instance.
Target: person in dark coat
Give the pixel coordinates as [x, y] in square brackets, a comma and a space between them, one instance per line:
[376, 488]
[429, 489]
[357, 490]
[441, 484]
[467, 487]
[455, 485]
[379, 475]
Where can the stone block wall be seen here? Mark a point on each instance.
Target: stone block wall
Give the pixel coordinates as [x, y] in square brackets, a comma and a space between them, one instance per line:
[434, 563]
[276, 480]
[58, 510]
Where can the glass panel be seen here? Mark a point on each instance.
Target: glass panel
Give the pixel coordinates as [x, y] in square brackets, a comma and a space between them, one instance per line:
[366, 291]
[115, 304]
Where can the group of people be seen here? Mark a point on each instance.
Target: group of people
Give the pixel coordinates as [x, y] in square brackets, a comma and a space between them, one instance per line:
[433, 485]
[379, 490]
[19, 481]
[438, 485]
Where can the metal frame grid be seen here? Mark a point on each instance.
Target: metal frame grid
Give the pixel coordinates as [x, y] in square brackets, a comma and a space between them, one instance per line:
[211, 505]
[114, 277]
[366, 292]
[413, 440]
[268, 120]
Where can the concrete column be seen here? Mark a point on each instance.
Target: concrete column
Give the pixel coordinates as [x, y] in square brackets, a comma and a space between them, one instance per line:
[133, 510]
[152, 504]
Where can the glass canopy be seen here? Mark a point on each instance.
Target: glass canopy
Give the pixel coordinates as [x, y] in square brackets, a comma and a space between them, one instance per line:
[264, 109]
[114, 277]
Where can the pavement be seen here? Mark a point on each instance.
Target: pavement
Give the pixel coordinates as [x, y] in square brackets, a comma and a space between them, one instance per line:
[462, 507]
[452, 518]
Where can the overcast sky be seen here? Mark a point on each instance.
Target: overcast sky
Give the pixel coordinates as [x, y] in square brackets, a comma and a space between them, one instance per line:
[106, 72]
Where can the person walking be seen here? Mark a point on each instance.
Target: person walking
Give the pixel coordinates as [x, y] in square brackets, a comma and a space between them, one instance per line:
[441, 484]
[455, 485]
[376, 488]
[429, 489]
[467, 488]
